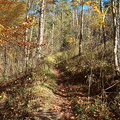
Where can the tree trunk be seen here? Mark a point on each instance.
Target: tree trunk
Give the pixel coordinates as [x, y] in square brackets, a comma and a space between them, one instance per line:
[41, 28]
[53, 29]
[26, 36]
[73, 17]
[116, 35]
[76, 17]
[81, 31]
[27, 16]
[102, 29]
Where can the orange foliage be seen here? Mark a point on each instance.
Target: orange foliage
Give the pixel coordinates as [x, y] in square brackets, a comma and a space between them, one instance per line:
[13, 24]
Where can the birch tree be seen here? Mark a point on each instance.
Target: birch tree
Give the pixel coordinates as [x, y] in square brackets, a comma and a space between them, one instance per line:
[116, 29]
[41, 28]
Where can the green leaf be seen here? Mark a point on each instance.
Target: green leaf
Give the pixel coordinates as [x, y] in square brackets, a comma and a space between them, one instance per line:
[99, 102]
[6, 78]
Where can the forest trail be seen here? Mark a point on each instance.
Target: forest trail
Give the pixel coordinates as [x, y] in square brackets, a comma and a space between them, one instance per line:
[65, 100]
[59, 108]
[24, 98]
[62, 102]
[61, 105]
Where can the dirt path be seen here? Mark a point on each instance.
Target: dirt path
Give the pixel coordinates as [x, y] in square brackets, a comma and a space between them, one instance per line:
[61, 103]
[60, 107]
[25, 99]
[64, 96]
[61, 100]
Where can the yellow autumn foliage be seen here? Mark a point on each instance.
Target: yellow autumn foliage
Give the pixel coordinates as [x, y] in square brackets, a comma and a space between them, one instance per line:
[12, 13]
[90, 3]
[1, 28]
[97, 9]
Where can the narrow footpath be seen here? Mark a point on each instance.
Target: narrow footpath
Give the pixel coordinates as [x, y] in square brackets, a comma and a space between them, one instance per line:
[65, 94]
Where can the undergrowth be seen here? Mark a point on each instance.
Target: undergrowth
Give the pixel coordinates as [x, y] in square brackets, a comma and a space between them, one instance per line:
[93, 72]
[23, 97]
[94, 68]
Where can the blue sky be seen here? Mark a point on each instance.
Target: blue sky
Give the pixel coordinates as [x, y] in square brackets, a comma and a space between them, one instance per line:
[85, 6]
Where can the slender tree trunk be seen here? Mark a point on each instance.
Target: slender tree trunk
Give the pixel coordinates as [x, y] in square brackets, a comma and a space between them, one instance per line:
[27, 16]
[116, 35]
[62, 22]
[26, 37]
[35, 29]
[81, 31]
[118, 32]
[73, 19]
[5, 62]
[41, 28]
[76, 17]
[53, 29]
[103, 35]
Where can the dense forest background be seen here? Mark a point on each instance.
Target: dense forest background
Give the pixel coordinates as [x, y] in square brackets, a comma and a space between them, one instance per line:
[57, 54]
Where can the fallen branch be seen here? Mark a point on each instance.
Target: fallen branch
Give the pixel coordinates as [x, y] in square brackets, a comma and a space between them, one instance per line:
[112, 86]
